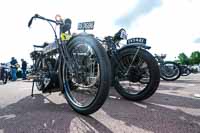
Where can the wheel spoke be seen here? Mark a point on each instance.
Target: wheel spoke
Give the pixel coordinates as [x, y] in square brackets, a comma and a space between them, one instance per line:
[138, 68]
[86, 80]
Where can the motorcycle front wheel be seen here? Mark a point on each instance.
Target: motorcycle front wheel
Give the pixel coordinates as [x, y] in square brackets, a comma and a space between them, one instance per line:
[87, 87]
[170, 71]
[137, 77]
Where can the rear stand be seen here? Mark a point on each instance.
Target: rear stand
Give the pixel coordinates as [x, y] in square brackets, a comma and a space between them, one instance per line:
[32, 88]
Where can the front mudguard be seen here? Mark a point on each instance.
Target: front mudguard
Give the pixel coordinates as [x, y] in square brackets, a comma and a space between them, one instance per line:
[80, 34]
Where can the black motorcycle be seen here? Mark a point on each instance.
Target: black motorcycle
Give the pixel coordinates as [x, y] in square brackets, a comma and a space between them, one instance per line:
[3, 73]
[135, 72]
[76, 65]
[185, 71]
[169, 70]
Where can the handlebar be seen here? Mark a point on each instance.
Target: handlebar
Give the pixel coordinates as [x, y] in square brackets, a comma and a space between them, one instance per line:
[43, 18]
[100, 39]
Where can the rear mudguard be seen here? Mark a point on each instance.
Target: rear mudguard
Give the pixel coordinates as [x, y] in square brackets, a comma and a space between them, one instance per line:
[136, 45]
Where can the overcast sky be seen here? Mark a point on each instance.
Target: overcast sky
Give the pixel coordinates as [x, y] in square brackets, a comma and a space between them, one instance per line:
[170, 26]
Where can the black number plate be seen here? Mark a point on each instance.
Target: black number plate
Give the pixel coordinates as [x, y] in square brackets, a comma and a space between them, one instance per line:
[137, 40]
[86, 25]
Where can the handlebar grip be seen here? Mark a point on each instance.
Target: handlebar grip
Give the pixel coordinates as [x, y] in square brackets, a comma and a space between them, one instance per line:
[30, 22]
[36, 15]
[43, 18]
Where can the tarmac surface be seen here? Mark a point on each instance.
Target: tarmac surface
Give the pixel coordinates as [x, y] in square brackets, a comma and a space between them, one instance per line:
[172, 109]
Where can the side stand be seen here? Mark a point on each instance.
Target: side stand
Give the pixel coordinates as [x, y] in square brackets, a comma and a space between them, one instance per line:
[32, 88]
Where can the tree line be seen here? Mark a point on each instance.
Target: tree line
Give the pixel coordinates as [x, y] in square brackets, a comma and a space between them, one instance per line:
[193, 59]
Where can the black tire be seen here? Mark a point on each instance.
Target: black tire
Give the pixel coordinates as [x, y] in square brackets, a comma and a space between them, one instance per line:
[185, 71]
[37, 68]
[41, 84]
[103, 82]
[153, 70]
[5, 77]
[173, 77]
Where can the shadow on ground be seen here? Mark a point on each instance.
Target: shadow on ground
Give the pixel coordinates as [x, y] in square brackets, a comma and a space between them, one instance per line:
[161, 113]
[34, 116]
[185, 81]
[167, 87]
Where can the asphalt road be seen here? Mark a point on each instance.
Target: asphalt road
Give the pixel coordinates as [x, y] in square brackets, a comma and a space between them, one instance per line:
[172, 109]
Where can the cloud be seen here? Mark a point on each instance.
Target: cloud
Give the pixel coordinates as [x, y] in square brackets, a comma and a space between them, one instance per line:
[197, 40]
[142, 7]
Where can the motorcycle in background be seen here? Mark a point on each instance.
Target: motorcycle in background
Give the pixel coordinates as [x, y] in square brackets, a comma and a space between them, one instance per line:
[169, 70]
[3, 73]
[135, 72]
[185, 71]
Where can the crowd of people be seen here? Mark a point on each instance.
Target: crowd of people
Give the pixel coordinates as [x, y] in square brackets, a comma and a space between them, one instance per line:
[14, 65]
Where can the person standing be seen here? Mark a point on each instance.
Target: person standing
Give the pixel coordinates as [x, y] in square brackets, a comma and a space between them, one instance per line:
[24, 67]
[13, 63]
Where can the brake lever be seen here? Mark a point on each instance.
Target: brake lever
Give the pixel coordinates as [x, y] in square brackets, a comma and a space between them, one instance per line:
[117, 44]
[59, 23]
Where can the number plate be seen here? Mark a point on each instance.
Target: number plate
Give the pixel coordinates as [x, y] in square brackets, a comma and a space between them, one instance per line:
[137, 40]
[86, 25]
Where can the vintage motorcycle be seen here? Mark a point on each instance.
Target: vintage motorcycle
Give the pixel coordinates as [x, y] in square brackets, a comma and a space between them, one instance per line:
[169, 70]
[76, 65]
[3, 73]
[185, 71]
[135, 72]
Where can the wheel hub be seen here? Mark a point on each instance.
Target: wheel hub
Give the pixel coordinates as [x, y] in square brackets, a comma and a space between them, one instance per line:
[134, 75]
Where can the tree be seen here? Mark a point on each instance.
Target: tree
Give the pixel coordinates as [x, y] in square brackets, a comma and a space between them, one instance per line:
[195, 57]
[183, 59]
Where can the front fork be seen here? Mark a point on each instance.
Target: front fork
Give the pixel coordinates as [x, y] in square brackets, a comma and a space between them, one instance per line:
[72, 66]
[65, 60]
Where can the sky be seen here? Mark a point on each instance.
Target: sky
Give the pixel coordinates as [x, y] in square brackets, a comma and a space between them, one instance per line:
[170, 26]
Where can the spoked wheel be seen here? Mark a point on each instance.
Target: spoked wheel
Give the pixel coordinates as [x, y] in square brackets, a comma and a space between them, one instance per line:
[87, 87]
[185, 71]
[136, 79]
[42, 80]
[170, 71]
